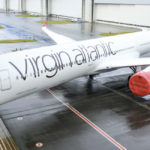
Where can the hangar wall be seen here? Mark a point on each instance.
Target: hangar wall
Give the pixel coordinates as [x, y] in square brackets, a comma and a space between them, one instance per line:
[71, 8]
[123, 13]
[14, 5]
[2, 4]
[32, 6]
[132, 14]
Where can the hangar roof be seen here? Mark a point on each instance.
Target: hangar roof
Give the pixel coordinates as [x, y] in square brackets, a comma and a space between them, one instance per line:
[144, 2]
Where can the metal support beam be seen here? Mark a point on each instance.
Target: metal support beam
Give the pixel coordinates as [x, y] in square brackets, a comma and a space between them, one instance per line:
[83, 10]
[47, 3]
[19, 5]
[23, 5]
[92, 11]
[7, 5]
[44, 7]
[89, 10]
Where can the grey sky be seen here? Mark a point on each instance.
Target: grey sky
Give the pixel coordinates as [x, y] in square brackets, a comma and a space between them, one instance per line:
[124, 1]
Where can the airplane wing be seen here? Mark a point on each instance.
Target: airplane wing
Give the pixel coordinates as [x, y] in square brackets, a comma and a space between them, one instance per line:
[123, 63]
[58, 38]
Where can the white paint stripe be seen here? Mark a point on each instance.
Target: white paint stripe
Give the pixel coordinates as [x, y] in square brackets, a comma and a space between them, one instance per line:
[94, 126]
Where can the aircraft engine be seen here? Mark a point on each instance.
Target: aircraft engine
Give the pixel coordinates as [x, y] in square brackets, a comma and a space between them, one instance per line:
[139, 83]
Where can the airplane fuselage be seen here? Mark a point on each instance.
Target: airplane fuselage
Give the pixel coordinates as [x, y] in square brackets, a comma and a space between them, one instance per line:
[28, 71]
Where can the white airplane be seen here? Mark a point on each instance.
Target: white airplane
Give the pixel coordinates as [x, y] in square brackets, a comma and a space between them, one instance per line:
[28, 71]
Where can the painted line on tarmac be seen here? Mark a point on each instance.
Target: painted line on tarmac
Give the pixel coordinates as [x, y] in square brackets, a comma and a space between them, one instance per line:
[94, 126]
[127, 97]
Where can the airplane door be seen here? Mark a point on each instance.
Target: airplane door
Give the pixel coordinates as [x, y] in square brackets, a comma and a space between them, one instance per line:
[5, 83]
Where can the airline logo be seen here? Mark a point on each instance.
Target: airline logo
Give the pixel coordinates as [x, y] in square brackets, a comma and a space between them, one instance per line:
[54, 62]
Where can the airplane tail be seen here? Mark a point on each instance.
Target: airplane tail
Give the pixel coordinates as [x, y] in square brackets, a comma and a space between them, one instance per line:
[59, 39]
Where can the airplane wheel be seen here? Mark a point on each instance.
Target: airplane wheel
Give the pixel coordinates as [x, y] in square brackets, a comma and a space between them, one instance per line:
[128, 80]
[91, 77]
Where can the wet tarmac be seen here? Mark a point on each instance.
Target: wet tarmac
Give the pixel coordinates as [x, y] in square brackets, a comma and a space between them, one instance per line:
[27, 27]
[81, 114]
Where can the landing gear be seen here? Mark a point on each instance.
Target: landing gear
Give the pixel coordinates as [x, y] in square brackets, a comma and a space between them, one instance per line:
[135, 68]
[128, 80]
[91, 77]
[129, 77]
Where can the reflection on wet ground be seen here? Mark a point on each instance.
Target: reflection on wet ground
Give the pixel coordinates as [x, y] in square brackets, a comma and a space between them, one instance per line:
[24, 27]
[48, 121]
[41, 120]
